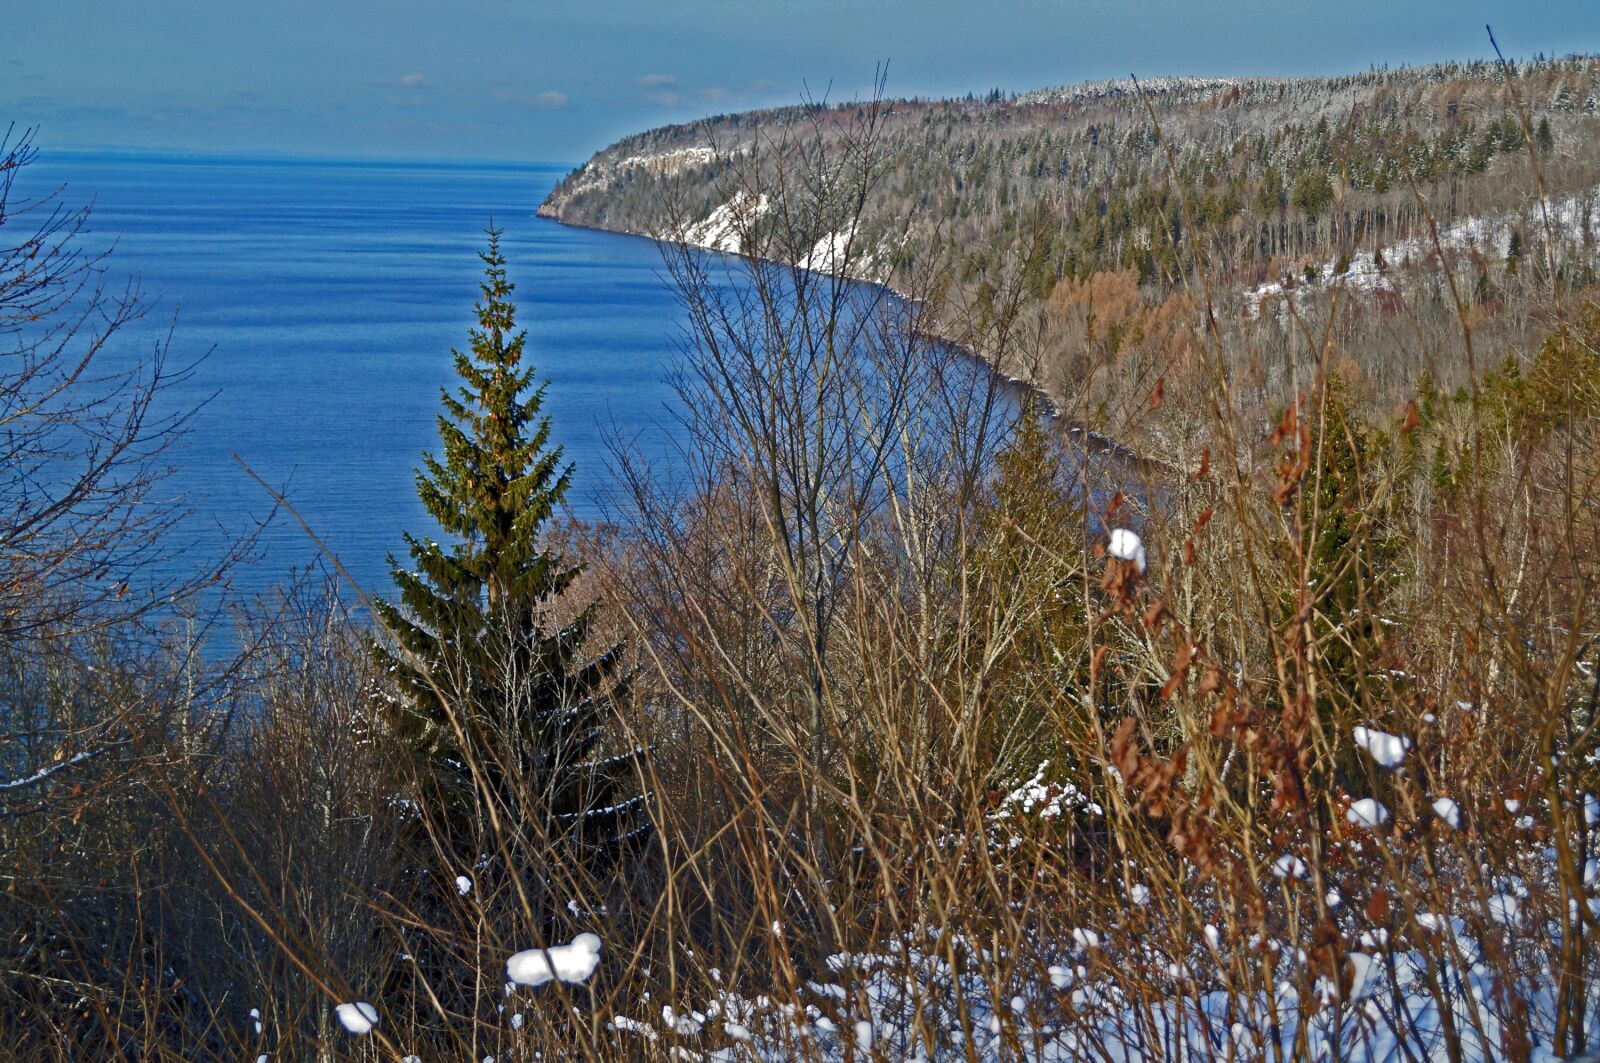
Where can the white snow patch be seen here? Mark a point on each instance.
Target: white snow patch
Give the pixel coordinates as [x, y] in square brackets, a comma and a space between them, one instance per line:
[1127, 546]
[627, 1025]
[1387, 750]
[358, 1018]
[46, 771]
[1448, 811]
[837, 253]
[682, 1025]
[1573, 217]
[573, 962]
[1367, 812]
[1045, 799]
[727, 228]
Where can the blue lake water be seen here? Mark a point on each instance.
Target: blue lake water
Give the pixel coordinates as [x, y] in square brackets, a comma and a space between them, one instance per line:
[328, 296]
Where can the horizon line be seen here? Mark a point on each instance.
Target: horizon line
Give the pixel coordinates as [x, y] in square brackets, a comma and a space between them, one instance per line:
[284, 156]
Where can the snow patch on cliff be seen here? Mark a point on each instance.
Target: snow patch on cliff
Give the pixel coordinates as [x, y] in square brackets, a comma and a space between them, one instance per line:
[599, 171]
[728, 228]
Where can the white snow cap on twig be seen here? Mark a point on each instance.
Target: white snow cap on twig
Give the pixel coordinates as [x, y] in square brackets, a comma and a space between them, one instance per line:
[574, 962]
[1386, 749]
[1448, 811]
[1367, 812]
[358, 1018]
[1127, 546]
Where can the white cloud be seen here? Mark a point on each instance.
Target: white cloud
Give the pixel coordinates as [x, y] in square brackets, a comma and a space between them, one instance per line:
[413, 81]
[664, 99]
[658, 81]
[550, 101]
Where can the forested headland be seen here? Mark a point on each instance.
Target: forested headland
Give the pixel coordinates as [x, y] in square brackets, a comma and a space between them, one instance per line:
[1095, 201]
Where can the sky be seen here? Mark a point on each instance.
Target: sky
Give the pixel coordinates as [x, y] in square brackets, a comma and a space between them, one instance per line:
[555, 80]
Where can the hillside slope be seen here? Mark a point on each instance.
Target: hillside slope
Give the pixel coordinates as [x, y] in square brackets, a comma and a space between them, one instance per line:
[1279, 187]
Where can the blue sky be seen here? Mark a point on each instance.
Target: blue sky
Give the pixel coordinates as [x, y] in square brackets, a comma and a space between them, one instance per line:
[553, 80]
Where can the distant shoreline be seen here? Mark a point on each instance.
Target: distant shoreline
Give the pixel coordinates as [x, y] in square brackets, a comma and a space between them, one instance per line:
[1099, 443]
[224, 158]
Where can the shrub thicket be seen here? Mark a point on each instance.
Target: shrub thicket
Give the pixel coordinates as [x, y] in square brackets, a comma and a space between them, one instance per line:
[963, 731]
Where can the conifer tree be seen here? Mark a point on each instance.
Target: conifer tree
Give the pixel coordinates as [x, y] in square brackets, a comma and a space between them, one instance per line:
[492, 671]
[1352, 555]
[1029, 566]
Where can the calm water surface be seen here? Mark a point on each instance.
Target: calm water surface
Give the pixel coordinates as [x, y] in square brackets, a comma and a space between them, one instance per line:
[328, 296]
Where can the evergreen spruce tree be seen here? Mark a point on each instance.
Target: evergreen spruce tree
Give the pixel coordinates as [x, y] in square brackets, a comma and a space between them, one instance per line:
[1354, 559]
[489, 673]
[1029, 563]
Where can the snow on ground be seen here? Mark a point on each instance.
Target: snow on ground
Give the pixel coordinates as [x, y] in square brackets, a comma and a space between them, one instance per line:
[1387, 1011]
[840, 253]
[1400, 994]
[1575, 217]
[928, 998]
[727, 229]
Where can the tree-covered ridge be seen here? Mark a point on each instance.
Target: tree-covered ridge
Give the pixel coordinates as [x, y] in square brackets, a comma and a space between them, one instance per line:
[1275, 166]
[1278, 190]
